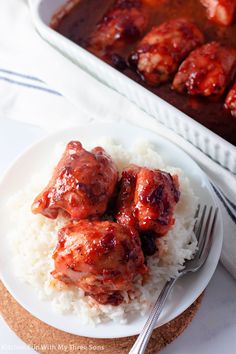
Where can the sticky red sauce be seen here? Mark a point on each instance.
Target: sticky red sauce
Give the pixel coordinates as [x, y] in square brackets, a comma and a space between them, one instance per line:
[82, 19]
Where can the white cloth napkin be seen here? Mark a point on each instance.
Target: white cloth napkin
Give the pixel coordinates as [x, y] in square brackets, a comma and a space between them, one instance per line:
[40, 86]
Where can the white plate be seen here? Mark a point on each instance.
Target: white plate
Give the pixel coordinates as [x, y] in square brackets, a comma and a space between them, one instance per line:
[210, 143]
[186, 290]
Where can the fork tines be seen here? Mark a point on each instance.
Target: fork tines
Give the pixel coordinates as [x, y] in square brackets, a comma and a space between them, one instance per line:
[204, 229]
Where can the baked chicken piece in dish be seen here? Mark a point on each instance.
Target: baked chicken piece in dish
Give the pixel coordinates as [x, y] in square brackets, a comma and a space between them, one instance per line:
[100, 257]
[159, 54]
[147, 199]
[230, 102]
[124, 23]
[220, 11]
[207, 71]
[81, 185]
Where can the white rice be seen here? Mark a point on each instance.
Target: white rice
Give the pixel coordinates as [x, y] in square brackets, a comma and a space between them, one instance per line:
[34, 239]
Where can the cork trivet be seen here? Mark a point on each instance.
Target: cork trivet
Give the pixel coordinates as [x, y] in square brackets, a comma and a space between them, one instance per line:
[48, 340]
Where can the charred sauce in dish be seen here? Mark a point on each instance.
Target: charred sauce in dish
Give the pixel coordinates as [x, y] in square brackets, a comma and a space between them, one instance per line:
[81, 21]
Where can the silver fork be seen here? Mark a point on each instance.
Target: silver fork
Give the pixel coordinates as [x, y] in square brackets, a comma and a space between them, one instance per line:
[203, 229]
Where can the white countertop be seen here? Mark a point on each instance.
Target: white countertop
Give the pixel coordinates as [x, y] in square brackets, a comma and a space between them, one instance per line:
[213, 330]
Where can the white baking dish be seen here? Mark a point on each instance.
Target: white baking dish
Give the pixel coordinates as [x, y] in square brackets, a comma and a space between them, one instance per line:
[210, 143]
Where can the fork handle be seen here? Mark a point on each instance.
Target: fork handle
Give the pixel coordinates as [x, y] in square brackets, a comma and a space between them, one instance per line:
[144, 336]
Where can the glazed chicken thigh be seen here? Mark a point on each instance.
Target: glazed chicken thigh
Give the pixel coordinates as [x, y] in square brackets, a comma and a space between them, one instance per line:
[123, 23]
[208, 70]
[81, 185]
[230, 102]
[156, 195]
[220, 11]
[100, 257]
[147, 199]
[160, 52]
